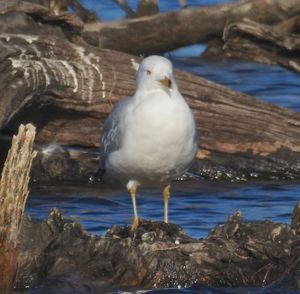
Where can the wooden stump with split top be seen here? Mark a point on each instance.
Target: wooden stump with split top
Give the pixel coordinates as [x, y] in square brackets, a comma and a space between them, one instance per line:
[13, 195]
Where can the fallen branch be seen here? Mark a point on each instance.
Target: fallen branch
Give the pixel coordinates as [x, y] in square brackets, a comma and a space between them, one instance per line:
[262, 43]
[168, 31]
[56, 12]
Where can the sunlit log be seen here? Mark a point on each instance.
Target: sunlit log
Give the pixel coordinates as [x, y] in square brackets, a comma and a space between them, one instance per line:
[13, 195]
[67, 91]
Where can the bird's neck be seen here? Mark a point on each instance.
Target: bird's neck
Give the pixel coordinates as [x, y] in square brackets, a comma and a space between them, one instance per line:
[145, 93]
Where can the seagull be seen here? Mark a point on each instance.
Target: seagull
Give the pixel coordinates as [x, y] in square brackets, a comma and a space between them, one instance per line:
[149, 139]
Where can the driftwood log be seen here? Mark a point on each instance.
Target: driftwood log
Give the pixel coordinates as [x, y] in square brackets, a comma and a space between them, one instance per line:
[13, 194]
[271, 34]
[150, 34]
[67, 87]
[67, 91]
[59, 254]
[262, 43]
[168, 31]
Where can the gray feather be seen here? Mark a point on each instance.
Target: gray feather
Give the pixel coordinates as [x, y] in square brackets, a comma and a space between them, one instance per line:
[111, 133]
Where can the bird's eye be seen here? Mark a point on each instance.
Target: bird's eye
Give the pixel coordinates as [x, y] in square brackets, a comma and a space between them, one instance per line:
[148, 72]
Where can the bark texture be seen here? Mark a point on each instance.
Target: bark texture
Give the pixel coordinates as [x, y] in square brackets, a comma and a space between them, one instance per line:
[59, 254]
[272, 36]
[67, 91]
[262, 43]
[168, 31]
[13, 195]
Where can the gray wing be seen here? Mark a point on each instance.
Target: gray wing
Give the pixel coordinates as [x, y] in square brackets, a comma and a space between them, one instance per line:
[111, 132]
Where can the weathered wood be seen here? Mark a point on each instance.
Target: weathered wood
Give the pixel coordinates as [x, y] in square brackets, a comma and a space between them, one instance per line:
[261, 43]
[55, 12]
[169, 31]
[147, 8]
[49, 8]
[137, 35]
[60, 7]
[13, 195]
[157, 255]
[289, 25]
[67, 91]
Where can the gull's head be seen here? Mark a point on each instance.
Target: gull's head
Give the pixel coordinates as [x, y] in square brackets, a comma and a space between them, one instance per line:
[155, 72]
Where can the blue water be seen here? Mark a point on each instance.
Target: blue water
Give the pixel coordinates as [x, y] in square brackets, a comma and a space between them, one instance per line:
[195, 205]
[271, 83]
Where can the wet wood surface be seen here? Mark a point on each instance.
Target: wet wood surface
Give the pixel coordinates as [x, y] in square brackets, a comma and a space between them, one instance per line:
[59, 254]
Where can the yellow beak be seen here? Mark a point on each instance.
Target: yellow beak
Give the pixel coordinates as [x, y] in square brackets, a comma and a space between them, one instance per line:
[166, 82]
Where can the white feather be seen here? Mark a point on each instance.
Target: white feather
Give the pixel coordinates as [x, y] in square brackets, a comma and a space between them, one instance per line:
[154, 130]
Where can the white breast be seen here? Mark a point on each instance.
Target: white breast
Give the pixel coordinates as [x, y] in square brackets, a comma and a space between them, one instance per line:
[158, 143]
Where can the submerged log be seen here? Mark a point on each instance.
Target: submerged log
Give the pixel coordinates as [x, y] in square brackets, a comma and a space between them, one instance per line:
[58, 253]
[67, 91]
[13, 195]
[262, 43]
[168, 31]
